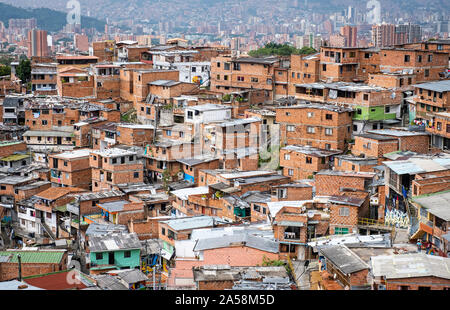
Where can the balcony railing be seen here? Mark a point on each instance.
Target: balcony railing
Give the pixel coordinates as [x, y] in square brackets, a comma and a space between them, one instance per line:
[291, 236]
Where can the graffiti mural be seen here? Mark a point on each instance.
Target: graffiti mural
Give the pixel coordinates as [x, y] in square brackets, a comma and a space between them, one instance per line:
[197, 79]
[396, 218]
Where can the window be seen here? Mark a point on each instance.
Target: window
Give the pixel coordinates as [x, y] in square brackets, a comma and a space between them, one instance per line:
[136, 175]
[163, 231]
[324, 67]
[407, 58]
[254, 80]
[240, 78]
[168, 132]
[329, 116]
[287, 156]
[225, 77]
[387, 109]
[352, 55]
[44, 122]
[419, 58]
[308, 160]
[194, 69]
[310, 129]
[366, 97]
[439, 126]
[311, 114]
[218, 77]
[226, 66]
[430, 58]
[149, 111]
[127, 254]
[341, 230]
[328, 146]
[218, 65]
[427, 72]
[290, 128]
[98, 256]
[114, 160]
[358, 111]
[344, 211]
[290, 172]
[329, 131]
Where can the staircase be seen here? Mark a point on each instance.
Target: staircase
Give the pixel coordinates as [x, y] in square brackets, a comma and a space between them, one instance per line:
[48, 230]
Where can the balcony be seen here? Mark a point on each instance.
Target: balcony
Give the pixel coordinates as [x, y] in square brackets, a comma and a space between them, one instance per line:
[291, 236]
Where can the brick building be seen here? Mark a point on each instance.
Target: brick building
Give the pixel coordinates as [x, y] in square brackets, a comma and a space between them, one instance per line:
[33, 263]
[301, 162]
[115, 166]
[71, 169]
[322, 126]
[399, 272]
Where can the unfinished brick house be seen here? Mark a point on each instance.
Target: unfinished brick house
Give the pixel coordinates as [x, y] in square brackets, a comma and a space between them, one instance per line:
[399, 272]
[10, 147]
[115, 166]
[426, 65]
[104, 50]
[303, 69]
[345, 212]
[440, 133]
[332, 182]
[192, 166]
[44, 78]
[106, 81]
[375, 107]
[343, 269]
[412, 141]
[355, 163]
[339, 64]
[326, 127]
[71, 169]
[300, 190]
[302, 162]
[33, 263]
[118, 212]
[164, 155]
[75, 82]
[135, 134]
[230, 74]
[429, 98]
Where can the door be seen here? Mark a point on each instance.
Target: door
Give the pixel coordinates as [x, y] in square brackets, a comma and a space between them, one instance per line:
[111, 258]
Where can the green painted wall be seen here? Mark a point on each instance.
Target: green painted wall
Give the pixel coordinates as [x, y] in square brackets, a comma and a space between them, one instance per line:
[119, 259]
[372, 114]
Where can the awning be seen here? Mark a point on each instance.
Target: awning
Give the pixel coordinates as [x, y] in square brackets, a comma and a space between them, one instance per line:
[166, 254]
[291, 223]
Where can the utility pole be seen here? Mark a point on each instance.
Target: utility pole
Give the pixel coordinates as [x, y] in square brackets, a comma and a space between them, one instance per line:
[19, 258]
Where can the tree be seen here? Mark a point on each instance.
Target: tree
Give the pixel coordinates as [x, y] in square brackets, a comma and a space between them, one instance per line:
[281, 50]
[5, 70]
[23, 70]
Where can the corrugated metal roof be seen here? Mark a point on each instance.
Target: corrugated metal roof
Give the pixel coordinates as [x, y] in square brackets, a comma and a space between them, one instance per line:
[52, 257]
[440, 86]
[260, 243]
[343, 258]
[192, 222]
[410, 266]
[437, 204]
[113, 242]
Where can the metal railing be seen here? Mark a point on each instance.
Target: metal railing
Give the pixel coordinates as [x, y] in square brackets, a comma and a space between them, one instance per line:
[371, 222]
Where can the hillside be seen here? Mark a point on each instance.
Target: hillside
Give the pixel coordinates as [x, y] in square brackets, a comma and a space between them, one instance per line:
[47, 19]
